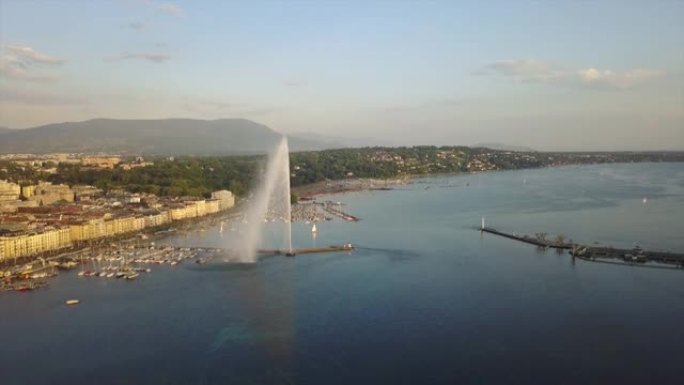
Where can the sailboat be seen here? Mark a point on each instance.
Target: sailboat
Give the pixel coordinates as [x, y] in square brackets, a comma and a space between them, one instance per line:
[313, 229]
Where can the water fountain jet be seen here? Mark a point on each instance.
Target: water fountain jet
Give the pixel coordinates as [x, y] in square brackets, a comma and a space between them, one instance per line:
[271, 198]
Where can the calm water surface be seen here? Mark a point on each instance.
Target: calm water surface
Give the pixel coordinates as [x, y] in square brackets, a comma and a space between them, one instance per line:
[425, 300]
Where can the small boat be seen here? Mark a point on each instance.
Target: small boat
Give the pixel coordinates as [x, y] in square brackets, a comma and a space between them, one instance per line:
[313, 228]
[72, 302]
[131, 275]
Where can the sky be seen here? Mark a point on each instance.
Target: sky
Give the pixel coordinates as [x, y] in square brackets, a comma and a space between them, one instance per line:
[559, 75]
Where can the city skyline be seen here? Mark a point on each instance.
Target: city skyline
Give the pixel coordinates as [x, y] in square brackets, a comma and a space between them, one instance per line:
[593, 76]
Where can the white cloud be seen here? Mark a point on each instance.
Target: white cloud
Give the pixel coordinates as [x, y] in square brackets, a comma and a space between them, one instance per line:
[28, 54]
[625, 79]
[22, 62]
[155, 57]
[521, 67]
[171, 9]
[532, 70]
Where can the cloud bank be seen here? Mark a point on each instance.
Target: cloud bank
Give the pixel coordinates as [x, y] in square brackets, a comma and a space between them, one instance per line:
[536, 71]
[154, 57]
[23, 62]
[171, 9]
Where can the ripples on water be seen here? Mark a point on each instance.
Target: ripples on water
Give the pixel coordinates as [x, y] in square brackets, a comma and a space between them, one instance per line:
[425, 299]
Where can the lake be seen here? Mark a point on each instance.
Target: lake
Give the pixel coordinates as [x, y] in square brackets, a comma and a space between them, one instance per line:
[424, 299]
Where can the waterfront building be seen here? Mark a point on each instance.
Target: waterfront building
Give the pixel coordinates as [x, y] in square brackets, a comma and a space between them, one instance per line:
[212, 206]
[177, 212]
[29, 244]
[225, 197]
[87, 230]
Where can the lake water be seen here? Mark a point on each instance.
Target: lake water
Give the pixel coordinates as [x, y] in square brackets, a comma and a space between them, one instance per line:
[425, 299]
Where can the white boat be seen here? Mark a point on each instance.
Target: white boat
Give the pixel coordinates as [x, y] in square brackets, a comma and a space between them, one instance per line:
[313, 228]
[131, 275]
[72, 302]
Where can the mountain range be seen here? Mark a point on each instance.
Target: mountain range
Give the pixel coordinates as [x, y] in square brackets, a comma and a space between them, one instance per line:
[156, 137]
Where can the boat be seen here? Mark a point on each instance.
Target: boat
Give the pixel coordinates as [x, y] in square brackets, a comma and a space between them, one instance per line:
[131, 275]
[313, 228]
[72, 302]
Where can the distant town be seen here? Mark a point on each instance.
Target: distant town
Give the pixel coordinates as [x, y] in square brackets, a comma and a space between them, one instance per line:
[55, 202]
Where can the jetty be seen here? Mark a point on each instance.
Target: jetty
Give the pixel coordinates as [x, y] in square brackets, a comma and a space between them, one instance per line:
[633, 256]
[529, 240]
[329, 207]
[307, 250]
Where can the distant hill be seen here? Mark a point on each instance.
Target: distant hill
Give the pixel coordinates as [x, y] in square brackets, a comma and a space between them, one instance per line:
[151, 137]
[504, 147]
[330, 142]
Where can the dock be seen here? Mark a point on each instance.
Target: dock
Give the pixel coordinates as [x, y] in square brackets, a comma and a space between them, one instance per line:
[308, 250]
[293, 252]
[634, 256]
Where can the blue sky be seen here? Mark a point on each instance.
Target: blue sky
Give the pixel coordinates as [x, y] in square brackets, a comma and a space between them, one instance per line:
[551, 75]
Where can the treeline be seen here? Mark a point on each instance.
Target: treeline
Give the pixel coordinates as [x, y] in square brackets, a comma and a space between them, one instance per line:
[13, 172]
[179, 177]
[315, 166]
[190, 176]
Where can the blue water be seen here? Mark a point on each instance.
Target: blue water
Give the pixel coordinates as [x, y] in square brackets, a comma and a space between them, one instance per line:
[426, 299]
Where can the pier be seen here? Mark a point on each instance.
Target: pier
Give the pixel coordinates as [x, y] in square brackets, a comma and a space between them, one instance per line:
[330, 209]
[528, 239]
[289, 253]
[308, 250]
[634, 256]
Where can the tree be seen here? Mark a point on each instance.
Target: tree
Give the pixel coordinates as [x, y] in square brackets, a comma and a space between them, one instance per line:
[541, 237]
[560, 239]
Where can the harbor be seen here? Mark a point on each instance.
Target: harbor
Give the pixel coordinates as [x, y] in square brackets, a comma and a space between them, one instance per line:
[128, 258]
[313, 211]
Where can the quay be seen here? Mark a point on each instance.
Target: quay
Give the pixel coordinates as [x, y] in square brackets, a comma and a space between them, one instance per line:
[309, 250]
[265, 252]
[634, 256]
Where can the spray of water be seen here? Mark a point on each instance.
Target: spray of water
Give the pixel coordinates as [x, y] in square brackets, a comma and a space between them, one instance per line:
[270, 202]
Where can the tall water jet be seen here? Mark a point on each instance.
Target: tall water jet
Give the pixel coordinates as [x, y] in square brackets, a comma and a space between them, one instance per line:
[270, 200]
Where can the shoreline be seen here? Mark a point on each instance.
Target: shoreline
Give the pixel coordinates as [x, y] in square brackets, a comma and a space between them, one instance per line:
[342, 186]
